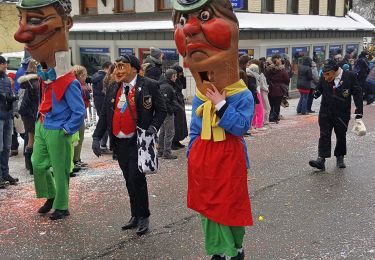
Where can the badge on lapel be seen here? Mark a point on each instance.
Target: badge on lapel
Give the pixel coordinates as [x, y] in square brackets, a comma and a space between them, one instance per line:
[147, 102]
[346, 93]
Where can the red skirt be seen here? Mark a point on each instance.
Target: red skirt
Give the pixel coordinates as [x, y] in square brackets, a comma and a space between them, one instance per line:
[217, 181]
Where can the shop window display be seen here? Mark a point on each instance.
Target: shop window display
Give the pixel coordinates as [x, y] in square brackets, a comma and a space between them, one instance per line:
[93, 58]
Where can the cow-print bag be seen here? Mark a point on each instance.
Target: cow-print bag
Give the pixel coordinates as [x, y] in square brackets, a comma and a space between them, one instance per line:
[147, 159]
[148, 162]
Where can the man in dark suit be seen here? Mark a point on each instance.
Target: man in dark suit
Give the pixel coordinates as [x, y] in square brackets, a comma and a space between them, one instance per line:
[337, 88]
[134, 102]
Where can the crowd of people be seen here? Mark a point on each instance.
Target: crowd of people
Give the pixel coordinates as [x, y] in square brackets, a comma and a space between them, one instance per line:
[269, 80]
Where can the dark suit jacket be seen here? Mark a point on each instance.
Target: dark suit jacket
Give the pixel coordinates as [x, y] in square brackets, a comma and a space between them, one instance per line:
[338, 101]
[151, 109]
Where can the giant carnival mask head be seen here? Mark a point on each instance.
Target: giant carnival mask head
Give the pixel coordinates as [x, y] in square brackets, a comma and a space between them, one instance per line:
[126, 68]
[206, 35]
[44, 28]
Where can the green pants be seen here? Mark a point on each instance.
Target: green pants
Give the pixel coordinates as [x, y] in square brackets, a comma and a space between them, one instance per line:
[220, 239]
[52, 148]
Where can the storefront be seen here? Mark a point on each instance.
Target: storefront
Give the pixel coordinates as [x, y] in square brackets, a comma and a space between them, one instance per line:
[273, 51]
[93, 58]
[334, 50]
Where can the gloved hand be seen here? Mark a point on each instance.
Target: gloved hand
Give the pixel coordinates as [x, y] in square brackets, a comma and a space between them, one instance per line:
[151, 130]
[317, 94]
[96, 146]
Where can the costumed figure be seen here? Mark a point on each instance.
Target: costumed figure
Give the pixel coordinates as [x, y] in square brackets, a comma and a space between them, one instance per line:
[206, 35]
[43, 28]
[131, 103]
[336, 88]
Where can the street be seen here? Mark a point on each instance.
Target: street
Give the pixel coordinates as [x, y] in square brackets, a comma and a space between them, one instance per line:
[298, 213]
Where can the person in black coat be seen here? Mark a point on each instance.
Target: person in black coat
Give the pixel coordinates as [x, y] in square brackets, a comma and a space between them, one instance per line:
[336, 88]
[28, 109]
[304, 82]
[134, 102]
[167, 130]
[180, 123]
[153, 64]
[99, 94]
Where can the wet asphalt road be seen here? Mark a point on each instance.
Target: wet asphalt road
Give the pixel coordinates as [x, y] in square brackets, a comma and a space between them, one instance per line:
[306, 214]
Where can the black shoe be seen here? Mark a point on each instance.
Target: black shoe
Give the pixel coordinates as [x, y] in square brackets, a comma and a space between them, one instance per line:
[72, 175]
[318, 163]
[80, 164]
[159, 155]
[311, 111]
[240, 256]
[76, 168]
[59, 214]
[340, 162]
[170, 157]
[11, 180]
[174, 147]
[218, 257]
[28, 164]
[46, 207]
[143, 224]
[177, 144]
[13, 153]
[3, 183]
[133, 223]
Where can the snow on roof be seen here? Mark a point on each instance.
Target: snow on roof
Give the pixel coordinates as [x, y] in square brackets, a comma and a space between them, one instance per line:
[248, 21]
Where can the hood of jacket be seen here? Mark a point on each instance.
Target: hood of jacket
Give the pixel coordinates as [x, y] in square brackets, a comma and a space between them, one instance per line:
[27, 77]
[252, 74]
[99, 76]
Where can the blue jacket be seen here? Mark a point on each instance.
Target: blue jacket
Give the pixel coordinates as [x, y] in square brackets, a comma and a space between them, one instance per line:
[5, 91]
[235, 117]
[20, 72]
[69, 112]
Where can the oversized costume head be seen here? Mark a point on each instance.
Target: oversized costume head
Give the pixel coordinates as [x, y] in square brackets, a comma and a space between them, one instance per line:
[206, 35]
[44, 28]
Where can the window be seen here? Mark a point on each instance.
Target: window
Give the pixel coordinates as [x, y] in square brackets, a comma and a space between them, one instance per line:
[124, 5]
[88, 7]
[314, 7]
[348, 6]
[268, 6]
[164, 5]
[292, 6]
[331, 7]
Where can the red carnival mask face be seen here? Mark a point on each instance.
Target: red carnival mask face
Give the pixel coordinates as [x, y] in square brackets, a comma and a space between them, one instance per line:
[44, 33]
[209, 45]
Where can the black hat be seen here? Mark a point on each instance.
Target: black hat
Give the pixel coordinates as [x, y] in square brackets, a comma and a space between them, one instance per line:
[3, 60]
[329, 65]
[128, 58]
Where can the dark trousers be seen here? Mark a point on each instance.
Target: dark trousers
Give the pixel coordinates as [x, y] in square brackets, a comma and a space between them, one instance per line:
[136, 183]
[310, 100]
[275, 103]
[327, 123]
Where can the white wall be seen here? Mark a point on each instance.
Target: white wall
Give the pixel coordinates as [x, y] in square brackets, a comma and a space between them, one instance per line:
[144, 6]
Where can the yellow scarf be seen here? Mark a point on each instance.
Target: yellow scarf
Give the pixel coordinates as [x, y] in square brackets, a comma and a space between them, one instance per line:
[207, 111]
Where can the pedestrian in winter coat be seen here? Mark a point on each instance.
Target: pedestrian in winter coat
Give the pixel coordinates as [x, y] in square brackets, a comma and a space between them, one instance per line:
[278, 81]
[166, 134]
[153, 64]
[97, 86]
[250, 82]
[29, 83]
[99, 95]
[362, 69]
[180, 123]
[304, 82]
[264, 90]
[314, 82]
[253, 73]
[336, 88]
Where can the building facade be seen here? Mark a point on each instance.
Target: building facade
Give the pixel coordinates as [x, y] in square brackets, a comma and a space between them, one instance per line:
[8, 26]
[104, 29]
